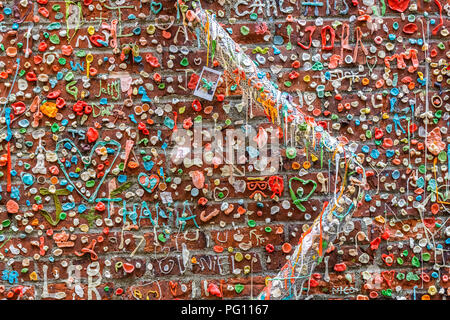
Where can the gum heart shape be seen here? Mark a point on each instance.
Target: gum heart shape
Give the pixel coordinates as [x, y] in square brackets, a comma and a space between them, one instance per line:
[239, 288]
[298, 196]
[87, 160]
[388, 276]
[276, 68]
[219, 190]
[214, 290]
[128, 267]
[239, 107]
[173, 285]
[310, 97]
[239, 186]
[149, 183]
[226, 108]
[385, 258]
[156, 7]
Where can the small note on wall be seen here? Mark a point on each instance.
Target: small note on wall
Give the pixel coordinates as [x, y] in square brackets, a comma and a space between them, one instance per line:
[207, 84]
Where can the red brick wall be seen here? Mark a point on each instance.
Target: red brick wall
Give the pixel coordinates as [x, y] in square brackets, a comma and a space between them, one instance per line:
[86, 255]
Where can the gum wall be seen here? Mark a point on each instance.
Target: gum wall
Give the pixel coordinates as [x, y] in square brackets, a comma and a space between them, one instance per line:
[98, 202]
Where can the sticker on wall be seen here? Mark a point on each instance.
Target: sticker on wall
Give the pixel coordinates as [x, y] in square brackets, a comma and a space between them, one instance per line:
[207, 84]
